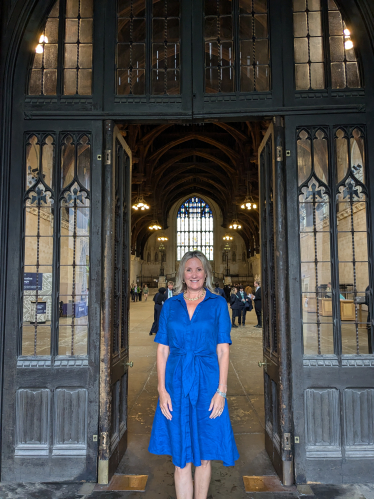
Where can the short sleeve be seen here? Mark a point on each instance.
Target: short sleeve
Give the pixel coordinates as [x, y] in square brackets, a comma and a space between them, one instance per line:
[162, 333]
[224, 322]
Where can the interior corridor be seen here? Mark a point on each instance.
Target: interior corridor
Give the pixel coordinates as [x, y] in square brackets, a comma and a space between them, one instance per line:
[246, 405]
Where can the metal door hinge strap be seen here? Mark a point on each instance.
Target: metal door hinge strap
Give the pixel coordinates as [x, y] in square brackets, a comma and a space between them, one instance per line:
[287, 441]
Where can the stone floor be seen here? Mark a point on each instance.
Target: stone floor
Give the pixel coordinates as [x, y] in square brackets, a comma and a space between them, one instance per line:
[245, 398]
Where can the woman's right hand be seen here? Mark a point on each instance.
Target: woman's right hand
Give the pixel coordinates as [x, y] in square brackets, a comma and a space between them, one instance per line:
[165, 404]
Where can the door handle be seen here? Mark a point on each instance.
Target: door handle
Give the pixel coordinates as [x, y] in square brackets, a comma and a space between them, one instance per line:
[263, 364]
[130, 364]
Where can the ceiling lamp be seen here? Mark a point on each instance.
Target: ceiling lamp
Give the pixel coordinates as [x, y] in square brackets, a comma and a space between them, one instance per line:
[248, 204]
[235, 225]
[162, 237]
[140, 204]
[227, 237]
[155, 225]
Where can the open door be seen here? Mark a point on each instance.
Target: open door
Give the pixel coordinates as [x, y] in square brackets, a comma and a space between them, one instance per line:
[274, 291]
[114, 344]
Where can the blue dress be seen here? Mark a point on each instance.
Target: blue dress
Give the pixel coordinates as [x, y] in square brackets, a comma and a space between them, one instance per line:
[191, 379]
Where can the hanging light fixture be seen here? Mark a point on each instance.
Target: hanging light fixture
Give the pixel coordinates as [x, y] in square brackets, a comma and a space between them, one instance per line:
[235, 224]
[155, 225]
[162, 237]
[140, 204]
[248, 203]
[227, 237]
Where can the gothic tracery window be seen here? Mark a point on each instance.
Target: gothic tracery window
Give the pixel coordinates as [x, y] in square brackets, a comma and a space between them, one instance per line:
[195, 228]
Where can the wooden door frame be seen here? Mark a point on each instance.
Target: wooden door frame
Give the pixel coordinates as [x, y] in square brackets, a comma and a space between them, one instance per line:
[108, 243]
[275, 133]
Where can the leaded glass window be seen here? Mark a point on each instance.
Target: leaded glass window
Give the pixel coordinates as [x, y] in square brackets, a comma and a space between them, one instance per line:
[56, 216]
[333, 205]
[314, 68]
[229, 67]
[195, 228]
[153, 68]
[66, 35]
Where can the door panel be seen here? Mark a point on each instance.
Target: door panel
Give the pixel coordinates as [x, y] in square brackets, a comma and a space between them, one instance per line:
[116, 303]
[333, 363]
[50, 393]
[274, 285]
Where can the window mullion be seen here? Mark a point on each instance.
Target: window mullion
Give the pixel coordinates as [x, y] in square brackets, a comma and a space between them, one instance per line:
[334, 248]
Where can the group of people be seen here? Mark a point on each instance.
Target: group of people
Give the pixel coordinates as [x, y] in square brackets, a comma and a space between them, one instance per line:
[137, 291]
[241, 301]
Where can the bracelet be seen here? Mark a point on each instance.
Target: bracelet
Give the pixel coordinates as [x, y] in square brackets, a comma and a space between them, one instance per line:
[221, 393]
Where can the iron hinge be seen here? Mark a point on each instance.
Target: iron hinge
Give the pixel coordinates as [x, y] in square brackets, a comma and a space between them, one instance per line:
[287, 441]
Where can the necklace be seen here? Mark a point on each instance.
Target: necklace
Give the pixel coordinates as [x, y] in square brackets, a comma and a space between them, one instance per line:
[194, 299]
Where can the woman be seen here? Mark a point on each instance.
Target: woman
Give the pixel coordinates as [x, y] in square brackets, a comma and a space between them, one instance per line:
[192, 422]
[145, 292]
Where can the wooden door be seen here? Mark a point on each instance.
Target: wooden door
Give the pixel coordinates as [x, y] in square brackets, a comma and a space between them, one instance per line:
[330, 226]
[51, 349]
[274, 307]
[114, 358]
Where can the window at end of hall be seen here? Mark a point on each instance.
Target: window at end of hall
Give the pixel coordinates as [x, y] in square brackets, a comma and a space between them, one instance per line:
[319, 27]
[195, 228]
[62, 58]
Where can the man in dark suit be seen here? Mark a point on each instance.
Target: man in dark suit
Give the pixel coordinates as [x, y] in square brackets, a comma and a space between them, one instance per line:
[257, 299]
[243, 297]
[219, 290]
[159, 300]
[236, 307]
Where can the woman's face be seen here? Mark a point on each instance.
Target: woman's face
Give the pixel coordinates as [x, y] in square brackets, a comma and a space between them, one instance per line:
[194, 274]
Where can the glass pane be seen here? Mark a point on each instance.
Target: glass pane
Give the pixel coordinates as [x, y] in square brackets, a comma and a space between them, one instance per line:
[48, 160]
[74, 250]
[318, 340]
[353, 77]
[304, 157]
[73, 281]
[302, 76]
[338, 75]
[38, 250]
[36, 340]
[42, 215]
[70, 82]
[317, 76]
[341, 152]
[73, 340]
[32, 161]
[301, 50]
[67, 161]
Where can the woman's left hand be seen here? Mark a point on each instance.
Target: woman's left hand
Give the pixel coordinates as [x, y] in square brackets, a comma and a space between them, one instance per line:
[217, 405]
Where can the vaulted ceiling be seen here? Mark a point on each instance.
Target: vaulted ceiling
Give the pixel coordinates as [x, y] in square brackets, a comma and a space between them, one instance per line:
[171, 161]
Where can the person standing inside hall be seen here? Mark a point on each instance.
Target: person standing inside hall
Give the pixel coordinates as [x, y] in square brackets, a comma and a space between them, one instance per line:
[236, 307]
[159, 300]
[170, 290]
[257, 300]
[219, 290]
[192, 422]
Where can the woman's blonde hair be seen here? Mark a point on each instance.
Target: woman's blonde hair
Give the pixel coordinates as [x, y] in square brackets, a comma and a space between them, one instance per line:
[180, 285]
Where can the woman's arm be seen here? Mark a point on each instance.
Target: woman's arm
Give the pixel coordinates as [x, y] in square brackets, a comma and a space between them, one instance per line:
[223, 353]
[165, 400]
[217, 403]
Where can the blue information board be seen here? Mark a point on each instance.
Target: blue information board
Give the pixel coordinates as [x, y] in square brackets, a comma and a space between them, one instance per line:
[32, 281]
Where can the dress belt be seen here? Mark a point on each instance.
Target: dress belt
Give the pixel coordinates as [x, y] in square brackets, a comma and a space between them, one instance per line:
[191, 370]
